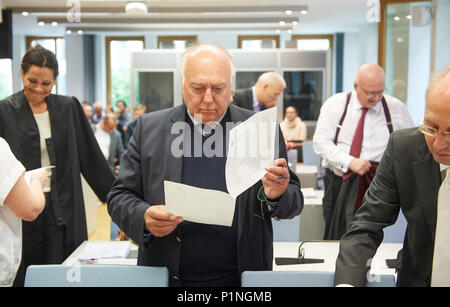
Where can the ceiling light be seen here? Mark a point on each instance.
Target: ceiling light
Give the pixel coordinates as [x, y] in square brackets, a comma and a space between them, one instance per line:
[278, 31]
[396, 18]
[289, 31]
[68, 32]
[288, 12]
[41, 23]
[408, 16]
[80, 32]
[304, 12]
[136, 8]
[25, 14]
[294, 23]
[282, 23]
[54, 24]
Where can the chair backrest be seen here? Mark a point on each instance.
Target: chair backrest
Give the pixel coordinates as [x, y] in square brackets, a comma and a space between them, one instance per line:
[286, 230]
[292, 155]
[309, 155]
[396, 232]
[96, 275]
[304, 279]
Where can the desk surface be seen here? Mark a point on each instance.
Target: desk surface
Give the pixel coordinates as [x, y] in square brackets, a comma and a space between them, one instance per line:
[327, 250]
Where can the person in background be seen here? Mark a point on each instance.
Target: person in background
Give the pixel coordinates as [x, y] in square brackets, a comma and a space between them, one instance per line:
[87, 109]
[109, 140]
[18, 200]
[263, 95]
[123, 118]
[53, 131]
[351, 135]
[139, 110]
[293, 128]
[414, 176]
[98, 113]
[199, 254]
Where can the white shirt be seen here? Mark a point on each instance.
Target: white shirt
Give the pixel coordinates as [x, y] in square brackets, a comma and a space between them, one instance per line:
[376, 133]
[45, 132]
[104, 140]
[10, 224]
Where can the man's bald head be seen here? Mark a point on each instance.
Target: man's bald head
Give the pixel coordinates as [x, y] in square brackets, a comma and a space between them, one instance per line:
[369, 84]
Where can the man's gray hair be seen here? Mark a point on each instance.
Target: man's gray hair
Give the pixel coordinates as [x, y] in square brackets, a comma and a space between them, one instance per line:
[193, 49]
[272, 78]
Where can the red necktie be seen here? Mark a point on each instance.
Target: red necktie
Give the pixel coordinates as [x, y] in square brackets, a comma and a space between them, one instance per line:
[355, 149]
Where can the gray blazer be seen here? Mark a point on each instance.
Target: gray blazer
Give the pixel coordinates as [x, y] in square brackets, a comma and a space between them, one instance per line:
[408, 178]
[115, 148]
[149, 161]
[244, 98]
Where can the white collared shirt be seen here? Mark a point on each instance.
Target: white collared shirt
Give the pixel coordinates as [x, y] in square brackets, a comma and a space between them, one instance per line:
[10, 224]
[376, 133]
[103, 140]
[255, 99]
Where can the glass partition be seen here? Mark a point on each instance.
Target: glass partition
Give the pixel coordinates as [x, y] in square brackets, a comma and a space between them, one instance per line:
[304, 90]
[246, 79]
[155, 90]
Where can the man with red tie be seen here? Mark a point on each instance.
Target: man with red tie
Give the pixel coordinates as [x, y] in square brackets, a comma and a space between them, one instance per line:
[351, 135]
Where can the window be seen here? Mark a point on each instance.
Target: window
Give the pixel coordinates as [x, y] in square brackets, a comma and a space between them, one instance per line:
[118, 72]
[176, 42]
[256, 42]
[313, 42]
[58, 46]
[155, 90]
[5, 78]
[405, 51]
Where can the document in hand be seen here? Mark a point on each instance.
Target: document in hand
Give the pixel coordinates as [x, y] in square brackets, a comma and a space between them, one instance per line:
[251, 150]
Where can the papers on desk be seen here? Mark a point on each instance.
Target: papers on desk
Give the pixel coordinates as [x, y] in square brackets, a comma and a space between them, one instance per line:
[251, 150]
[98, 250]
[309, 193]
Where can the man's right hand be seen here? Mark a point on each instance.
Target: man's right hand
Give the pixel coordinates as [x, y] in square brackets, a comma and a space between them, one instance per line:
[159, 222]
[359, 166]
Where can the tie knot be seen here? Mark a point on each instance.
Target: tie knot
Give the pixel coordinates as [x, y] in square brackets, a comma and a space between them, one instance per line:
[364, 109]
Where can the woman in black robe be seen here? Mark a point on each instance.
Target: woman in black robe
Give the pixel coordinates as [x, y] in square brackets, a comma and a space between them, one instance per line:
[71, 147]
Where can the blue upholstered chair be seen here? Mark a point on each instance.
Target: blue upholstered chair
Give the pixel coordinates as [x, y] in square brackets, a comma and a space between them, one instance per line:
[96, 275]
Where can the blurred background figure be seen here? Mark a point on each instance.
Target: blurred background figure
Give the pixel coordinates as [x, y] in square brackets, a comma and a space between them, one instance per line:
[87, 109]
[293, 128]
[98, 113]
[123, 118]
[263, 95]
[139, 110]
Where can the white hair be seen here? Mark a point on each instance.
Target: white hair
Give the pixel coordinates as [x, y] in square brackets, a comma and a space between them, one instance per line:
[193, 49]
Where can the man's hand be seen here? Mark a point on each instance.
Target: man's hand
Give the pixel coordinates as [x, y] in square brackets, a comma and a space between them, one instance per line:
[160, 222]
[359, 166]
[276, 179]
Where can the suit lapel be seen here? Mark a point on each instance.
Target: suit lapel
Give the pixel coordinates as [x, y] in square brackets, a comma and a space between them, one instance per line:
[426, 173]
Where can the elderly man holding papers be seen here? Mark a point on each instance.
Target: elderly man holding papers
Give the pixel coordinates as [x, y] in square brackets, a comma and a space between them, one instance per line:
[198, 254]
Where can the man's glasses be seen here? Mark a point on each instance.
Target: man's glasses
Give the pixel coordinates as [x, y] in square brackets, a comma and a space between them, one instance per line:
[433, 132]
[371, 93]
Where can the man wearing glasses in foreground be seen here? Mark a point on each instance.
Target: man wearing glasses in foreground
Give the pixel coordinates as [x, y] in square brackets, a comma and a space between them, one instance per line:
[351, 135]
[413, 175]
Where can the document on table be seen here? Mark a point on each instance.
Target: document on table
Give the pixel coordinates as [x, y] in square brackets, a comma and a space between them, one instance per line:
[99, 250]
[199, 205]
[251, 149]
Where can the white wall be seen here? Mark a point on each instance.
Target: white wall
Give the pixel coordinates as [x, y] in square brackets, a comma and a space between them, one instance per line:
[441, 35]
[75, 66]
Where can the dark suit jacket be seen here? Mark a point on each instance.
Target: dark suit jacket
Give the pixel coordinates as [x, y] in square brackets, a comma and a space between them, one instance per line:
[244, 98]
[408, 178]
[149, 161]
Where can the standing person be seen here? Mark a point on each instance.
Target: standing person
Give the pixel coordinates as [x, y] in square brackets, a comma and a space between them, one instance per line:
[87, 109]
[351, 135]
[293, 128]
[98, 113]
[263, 95]
[139, 110]
[109, 140]
[18, 200]
[199, 254]
[123, 118]
[53, 130]
[413, 176]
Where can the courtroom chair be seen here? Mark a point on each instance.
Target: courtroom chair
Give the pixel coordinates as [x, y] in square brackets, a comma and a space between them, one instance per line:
[96, 275]
[396, 233]
[309, 155]
[304, 279]
[286, 230]
[292, 159]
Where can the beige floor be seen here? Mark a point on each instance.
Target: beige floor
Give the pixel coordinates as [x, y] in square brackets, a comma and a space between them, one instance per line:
[102, 232]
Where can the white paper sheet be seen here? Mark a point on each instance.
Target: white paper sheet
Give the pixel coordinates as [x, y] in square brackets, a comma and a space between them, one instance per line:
[199, 205]
[251, 149]
[98, 250]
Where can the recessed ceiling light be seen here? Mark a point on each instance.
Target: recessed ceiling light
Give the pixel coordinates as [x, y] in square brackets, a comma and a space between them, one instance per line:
[41, 23]
[25, 14]
[288, 12]
[408, 17]
[54, 24]
[68, 32]
[304, 12]
[289, 31]
[397, 18]
[282, 23]
[278, 31]
[294, 23]
[80, 32]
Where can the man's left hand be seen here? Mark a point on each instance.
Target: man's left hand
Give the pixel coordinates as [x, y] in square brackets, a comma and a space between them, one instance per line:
[276, 179]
